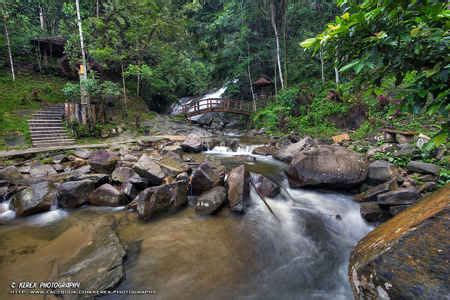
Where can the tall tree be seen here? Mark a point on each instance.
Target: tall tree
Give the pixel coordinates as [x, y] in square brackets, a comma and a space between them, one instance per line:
[273, 18]
[8, 42]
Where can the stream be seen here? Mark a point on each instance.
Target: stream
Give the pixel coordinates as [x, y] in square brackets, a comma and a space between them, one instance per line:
[227, 256]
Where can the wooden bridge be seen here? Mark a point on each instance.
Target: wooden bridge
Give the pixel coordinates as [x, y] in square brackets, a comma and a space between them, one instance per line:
[202, 106]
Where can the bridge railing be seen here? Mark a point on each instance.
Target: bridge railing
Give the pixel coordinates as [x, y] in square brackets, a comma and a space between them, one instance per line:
[218, 104]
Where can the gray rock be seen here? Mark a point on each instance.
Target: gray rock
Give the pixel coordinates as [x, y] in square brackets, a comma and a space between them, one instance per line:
[73, 194]
[103, 161]
[59, 158]
[34, 199]
[395, 210]
[210, 201]
[98, 266]
[10, 174]
[264, 186]
[125, 174]
[98, 179]
[162, 198]
[427, 187]
[286, 154]
[327, 166]
[381, 171]
[58, 168]
[129, 190]
[193, 143]
[82, 170]
[204, 178]
[42, 171]
[372, 212]
[406, 257]
[238, 188]
[405, 150]
[422, 167]
[107, 195]
[265, 150]
[150, 170]
[82, 153]
[401, 196]
[372, 193]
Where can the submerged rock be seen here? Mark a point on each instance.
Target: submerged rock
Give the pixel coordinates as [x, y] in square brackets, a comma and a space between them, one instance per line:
[238, 188]
[149, 170]
[34, 199]
[210, 201]
[107, 195]
[204, 178]
[287, 153]
[327, 166]
[73, 194]
[98, 266]
[193, 143]
[103, 161]
[406, 257]
[372, 212]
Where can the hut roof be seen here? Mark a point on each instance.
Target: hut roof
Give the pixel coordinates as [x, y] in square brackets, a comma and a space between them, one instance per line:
[262, 81]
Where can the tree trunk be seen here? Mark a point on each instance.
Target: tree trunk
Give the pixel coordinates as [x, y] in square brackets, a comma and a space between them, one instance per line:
[83, 70]
[275, 76]
[124, 91]
[8, 44]
[251, 84]
[277, 41]
[138, 84]
[322, 66]
[41, 18]
[97, 9]
[285, 42]
[336, 73]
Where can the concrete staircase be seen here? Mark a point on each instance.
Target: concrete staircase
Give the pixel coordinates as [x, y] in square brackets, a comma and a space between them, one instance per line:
[47, 127]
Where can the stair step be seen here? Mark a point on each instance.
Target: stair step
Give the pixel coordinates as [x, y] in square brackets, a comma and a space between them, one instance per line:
[52, 145]
[48, 133]
[47, 130]
[54, 141]
[58, 121]
[46, 138]
[45, 124]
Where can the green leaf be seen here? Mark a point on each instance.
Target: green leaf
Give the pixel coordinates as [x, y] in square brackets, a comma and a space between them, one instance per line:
[308, 43]
[349, 66]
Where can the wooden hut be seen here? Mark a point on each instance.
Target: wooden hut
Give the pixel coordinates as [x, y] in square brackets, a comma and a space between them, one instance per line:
[263, 87]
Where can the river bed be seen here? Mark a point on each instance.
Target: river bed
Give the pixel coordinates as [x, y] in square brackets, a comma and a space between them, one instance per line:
[303, 255]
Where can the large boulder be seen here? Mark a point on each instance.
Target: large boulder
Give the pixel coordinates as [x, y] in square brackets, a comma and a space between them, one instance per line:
[34, 199]
[210, 201]
[42, 171]
[98, 179]
[286, 154]
[103, 161]
[204, 178]
[238, 188]
[381, 171]
[107, 195]
[406, 257]
[327, 166]
[193, 143]
[149, 170]
[264, 186]
[161, 198]
[422, 167]
[73, 194]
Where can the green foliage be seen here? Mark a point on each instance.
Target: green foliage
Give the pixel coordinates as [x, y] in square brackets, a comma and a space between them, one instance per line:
[404, 39]
[19, 98]
[270, 117]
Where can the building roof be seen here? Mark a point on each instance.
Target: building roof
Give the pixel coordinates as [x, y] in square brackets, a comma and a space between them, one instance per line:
[262, 81]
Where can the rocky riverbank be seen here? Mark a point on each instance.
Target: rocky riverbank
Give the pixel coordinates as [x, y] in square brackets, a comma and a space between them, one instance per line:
[157, 178]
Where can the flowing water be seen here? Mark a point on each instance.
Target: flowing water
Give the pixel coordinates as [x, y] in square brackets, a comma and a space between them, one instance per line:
[304, 255]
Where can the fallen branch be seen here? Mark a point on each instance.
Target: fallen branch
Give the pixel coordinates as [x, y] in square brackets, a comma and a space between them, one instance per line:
[265, 202]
